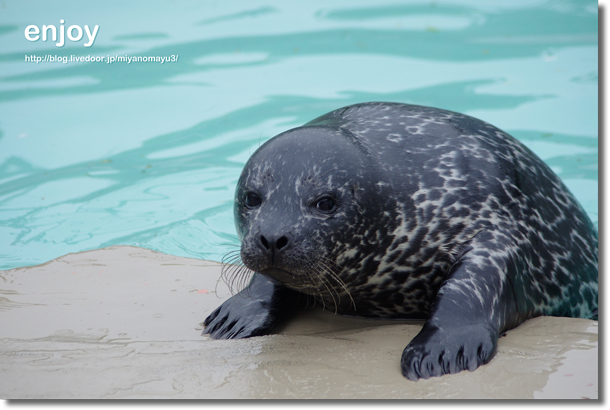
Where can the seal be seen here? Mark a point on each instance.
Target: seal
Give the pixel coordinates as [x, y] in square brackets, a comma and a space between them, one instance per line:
[391, 210]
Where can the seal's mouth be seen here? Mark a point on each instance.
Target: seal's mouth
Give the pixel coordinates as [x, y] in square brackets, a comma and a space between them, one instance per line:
[331, 291]
[279, 276]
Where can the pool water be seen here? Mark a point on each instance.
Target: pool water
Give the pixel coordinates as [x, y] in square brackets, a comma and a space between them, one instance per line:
[148, 154]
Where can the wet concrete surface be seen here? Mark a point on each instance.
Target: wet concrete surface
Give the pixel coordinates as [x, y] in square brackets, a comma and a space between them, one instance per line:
[125, 322]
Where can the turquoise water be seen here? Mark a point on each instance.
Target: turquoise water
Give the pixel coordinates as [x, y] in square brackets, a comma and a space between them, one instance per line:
[148, 154]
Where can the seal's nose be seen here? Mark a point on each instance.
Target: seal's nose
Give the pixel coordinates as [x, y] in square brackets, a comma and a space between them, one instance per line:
[272, 244]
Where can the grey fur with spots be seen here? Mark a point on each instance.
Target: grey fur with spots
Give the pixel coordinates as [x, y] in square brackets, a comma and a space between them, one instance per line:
[401, 211]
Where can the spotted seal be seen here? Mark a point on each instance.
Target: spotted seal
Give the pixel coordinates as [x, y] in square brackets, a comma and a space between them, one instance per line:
[391, 210]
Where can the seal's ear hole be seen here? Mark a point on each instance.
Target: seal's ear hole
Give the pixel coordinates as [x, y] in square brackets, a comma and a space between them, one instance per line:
[356, 192]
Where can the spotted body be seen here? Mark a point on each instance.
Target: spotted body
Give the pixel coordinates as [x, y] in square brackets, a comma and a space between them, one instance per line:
[401, 211]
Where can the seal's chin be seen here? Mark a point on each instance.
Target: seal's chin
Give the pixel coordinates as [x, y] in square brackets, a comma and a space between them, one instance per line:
[279, 276]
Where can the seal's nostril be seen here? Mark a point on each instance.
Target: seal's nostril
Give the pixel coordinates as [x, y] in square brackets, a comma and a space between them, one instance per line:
[264, 242]
[273, 245]
[283, 241]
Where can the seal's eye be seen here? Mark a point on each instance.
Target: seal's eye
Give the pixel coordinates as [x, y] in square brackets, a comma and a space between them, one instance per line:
[325, 204]
[252, 200]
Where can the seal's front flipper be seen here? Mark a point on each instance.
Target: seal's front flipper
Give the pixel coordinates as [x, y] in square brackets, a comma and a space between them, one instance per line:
[443, 349]
[252, 312]
[474, 305]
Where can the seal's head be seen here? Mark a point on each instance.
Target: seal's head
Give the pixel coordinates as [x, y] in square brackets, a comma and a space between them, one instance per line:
[300, 203]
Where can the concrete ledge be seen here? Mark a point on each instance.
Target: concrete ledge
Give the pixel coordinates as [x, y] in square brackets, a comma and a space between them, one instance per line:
[125, 322]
